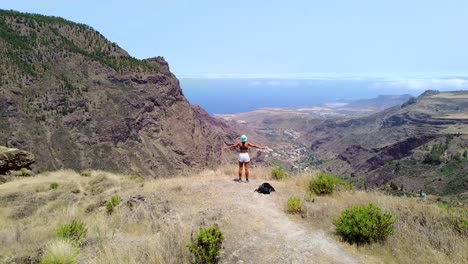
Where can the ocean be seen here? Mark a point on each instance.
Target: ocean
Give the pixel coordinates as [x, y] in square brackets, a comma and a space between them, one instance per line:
[236, 95]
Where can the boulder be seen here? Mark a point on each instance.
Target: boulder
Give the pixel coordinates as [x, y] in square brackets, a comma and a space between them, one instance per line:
[14, 159]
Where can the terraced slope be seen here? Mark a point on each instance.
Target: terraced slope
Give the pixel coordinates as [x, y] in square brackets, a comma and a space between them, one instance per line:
[419, 146]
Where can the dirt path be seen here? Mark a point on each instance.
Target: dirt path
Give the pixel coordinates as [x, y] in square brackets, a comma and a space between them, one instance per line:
[258, 230]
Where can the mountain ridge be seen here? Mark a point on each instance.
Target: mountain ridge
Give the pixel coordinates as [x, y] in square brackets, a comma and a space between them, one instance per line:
[77, 100]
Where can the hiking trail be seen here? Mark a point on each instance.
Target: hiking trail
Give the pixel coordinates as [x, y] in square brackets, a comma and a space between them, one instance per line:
[256, 227]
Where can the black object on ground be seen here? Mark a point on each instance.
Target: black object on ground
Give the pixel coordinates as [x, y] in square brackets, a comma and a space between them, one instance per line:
[265, 188]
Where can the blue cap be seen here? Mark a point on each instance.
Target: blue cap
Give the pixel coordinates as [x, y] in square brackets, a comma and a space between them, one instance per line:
[243, 138]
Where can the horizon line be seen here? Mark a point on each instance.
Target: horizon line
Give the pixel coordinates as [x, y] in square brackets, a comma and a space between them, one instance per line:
[326, 76]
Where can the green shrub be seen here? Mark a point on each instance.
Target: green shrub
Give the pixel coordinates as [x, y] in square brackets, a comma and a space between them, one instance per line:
[24, 172]
[465, 153]
[206, 246]
[364, 224]
[294, 205]
[279, 174]
[326, 183]
[74, 232]
[54, 186]
[113, 202]
[435, 156]
[60, 252]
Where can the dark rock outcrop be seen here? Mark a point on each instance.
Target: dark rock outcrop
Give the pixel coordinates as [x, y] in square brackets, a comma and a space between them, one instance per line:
[14, 159]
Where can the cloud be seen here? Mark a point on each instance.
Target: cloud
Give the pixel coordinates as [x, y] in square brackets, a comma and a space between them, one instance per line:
[424, 84]
[273, 83]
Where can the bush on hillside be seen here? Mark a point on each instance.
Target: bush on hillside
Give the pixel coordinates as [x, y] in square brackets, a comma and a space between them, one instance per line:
[279, 174]
[24, 172]
[294, 205]
[54, 186]
[112, 203]
[74, 232]
[326, 183]
[206, 246]
[60, 252]
[364, 224]
[435, 156]
[85, 173]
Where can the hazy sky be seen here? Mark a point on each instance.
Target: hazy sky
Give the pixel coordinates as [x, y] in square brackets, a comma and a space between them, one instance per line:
[279, 37]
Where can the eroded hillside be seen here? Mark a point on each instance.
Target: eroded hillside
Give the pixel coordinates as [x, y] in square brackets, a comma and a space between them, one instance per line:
[418, 146]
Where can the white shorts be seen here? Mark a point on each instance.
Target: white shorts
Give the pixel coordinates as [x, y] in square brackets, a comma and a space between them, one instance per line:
[244, 157]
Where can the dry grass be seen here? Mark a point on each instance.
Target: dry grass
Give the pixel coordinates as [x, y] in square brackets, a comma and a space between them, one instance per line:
[60, 251]
[157, 229]
[424, 232]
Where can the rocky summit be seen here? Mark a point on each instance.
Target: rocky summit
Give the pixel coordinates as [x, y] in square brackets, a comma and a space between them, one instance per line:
[77, 100]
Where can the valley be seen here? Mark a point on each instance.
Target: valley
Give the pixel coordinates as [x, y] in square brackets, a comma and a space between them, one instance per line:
[373, 148]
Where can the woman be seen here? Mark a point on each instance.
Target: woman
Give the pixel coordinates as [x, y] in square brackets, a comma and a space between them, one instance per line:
[244, 158]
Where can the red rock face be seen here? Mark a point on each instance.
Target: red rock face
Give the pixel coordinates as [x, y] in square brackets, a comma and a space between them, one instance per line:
[79, 101]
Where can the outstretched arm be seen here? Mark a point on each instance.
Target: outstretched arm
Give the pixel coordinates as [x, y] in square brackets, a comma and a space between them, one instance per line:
[232, 146]
[259, 147]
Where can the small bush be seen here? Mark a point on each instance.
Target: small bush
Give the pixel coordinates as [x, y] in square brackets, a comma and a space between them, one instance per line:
[364, 224]
[54, 186]
[113, 202]
[85, 174]
[326, 183]
[60, 252]
[294, 205]
[74, 232]
[206, 246]
[279, 174]
[24, 172]
[465, 153]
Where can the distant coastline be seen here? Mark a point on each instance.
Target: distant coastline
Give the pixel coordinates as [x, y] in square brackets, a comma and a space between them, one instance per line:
[235, 95]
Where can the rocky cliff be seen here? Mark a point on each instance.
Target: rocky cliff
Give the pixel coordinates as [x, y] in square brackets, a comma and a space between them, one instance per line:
[77, 100]
[14, 159]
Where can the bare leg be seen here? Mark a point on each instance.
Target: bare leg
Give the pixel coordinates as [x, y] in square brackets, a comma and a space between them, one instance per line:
[240, 170]
[247, 171]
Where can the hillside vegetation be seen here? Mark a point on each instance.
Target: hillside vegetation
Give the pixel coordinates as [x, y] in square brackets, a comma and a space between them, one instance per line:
[155, 219]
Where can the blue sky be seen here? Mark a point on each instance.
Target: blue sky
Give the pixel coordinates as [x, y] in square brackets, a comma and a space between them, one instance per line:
[373, 37]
